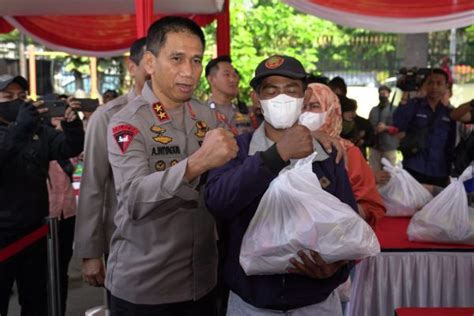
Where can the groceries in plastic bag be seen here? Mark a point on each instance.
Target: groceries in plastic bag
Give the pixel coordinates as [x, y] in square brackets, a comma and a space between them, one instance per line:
[403, 195]
[295, 214]
[448, 217]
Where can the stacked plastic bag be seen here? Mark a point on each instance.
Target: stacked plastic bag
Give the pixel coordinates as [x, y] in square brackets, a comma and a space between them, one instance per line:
[402, 195]
[448, 217]
[295, 214]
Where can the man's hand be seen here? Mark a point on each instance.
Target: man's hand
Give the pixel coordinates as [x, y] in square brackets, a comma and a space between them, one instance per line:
[328, 142]
[93, 271]
[219, 146]
[70, 114]
[296, 143]
[315, 267]
[381, 127]
[28, 115]
[382, 177]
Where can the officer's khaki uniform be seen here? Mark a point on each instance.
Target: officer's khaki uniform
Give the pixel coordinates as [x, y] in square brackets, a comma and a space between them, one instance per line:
[235, 121]
[97, 200]
[164, 248]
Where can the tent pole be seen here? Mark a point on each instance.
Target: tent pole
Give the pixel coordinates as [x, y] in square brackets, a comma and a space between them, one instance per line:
[32, 71]
[21, 47]
[93, 70]
[223, 31]
[143, 16]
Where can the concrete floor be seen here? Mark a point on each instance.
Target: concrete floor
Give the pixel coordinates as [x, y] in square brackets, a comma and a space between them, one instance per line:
[81, 297]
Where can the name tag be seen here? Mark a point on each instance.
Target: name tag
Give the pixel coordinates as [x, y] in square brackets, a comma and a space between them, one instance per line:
[422, 115]
[446, 119]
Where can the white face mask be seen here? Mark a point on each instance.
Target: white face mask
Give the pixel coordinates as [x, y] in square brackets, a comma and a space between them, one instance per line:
[282, 111]
[313, 121]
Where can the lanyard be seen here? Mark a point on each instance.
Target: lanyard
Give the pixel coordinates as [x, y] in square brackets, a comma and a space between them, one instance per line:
[221, 118]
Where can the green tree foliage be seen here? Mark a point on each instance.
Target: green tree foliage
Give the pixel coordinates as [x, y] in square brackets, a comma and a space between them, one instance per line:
[260, 28]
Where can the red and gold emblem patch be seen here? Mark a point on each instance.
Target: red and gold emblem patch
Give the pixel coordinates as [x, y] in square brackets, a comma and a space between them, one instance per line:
[124, 135]
[160, 112]
[274, 62]
[202, 129]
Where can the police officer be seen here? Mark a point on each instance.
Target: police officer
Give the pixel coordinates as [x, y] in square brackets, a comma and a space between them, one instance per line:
[26, 147]
[224, 82]
[97, 200]
[163, 258]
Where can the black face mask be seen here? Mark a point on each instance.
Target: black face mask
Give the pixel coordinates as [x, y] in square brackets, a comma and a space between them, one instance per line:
[383, 100]
[9, 110]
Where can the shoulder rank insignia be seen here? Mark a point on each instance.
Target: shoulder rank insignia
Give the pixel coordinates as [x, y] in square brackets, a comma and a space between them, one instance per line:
[160, 138]
[124, 135]
[160, 112]
[202, 129]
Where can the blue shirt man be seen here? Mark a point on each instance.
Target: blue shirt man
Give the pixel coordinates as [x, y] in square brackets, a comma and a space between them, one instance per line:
[432, 164]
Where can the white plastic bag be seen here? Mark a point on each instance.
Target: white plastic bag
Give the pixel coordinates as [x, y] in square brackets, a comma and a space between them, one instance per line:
[402, 195]
[295, 214]
[447, 218]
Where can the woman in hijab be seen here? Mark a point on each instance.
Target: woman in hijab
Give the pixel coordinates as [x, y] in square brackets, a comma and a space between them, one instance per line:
[323, 113]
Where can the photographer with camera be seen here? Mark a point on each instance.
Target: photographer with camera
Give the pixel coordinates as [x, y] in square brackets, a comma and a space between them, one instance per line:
[425, 129]
[26, 148]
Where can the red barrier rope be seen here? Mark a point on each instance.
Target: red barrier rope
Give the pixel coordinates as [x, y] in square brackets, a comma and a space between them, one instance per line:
[20, 244]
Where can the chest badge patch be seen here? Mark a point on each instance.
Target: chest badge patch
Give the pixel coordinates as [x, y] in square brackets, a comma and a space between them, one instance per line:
[174, 163]
[239, 116]
[325, 182]
[160, 112]
[160, 165]
[274, 62]
[202, 129]
[160, 137]
[124, 135]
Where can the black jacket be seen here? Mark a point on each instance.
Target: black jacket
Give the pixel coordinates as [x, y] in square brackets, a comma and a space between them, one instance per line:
[233, 193]
[24, 162]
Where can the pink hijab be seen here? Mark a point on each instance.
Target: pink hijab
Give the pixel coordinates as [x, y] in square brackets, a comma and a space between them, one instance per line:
[329, 103]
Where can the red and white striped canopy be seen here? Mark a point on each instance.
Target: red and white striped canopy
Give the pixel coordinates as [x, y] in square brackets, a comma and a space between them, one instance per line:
[92, 27]
[107, 27]
[397, 16]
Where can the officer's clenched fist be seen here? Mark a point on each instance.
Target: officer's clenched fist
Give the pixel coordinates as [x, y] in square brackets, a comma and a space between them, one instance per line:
[219, 146]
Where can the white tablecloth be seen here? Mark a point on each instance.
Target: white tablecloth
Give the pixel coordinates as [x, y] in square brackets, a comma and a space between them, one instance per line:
[412, 279]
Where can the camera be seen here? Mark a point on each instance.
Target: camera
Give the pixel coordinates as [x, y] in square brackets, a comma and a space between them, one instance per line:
[56, 108]
[411, 79]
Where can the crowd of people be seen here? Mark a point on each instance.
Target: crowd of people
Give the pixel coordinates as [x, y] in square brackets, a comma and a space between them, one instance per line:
[170, 184]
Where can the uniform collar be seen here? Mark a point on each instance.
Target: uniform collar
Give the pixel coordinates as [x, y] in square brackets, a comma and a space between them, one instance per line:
[159, 111]
[147, 93]
[131, 95]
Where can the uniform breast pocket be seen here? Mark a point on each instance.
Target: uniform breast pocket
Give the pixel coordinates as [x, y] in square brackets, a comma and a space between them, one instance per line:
[441, 130]
[420, 122]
